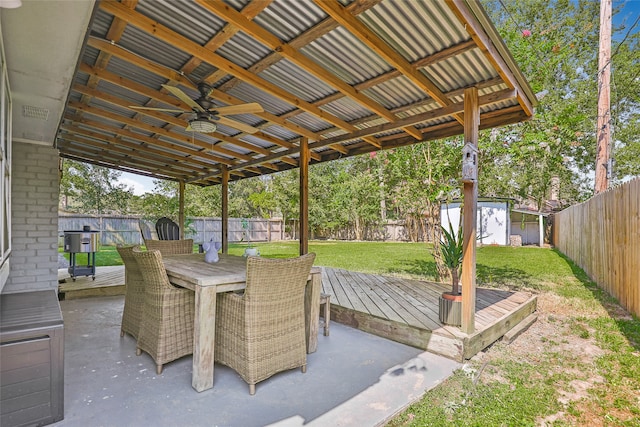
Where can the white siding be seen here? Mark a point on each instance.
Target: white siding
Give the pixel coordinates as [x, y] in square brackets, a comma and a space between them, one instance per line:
[493, 223]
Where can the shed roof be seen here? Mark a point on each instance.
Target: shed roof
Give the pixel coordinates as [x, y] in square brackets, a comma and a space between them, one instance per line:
[351, 77]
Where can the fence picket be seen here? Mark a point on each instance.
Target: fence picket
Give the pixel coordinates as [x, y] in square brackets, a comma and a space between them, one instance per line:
[602, 236]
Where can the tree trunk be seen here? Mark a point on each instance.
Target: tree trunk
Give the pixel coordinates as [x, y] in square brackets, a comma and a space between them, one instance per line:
[383, 202]
[455, 280]
[357, 228]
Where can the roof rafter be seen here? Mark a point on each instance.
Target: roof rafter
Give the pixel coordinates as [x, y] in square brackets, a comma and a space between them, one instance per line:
[375, 43]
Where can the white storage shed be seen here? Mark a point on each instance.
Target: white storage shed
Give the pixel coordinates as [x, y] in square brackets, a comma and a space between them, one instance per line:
[498, 224]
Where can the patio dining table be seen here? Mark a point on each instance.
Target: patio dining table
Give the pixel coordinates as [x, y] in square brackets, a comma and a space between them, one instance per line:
[228, 274]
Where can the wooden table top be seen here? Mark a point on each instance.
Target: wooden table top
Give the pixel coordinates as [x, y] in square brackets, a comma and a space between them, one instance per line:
[193, 269]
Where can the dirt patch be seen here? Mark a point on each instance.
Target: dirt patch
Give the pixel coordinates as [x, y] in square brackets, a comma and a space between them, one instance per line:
[563, 345]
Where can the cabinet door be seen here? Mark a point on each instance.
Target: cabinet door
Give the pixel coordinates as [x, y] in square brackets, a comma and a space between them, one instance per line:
[25, 381]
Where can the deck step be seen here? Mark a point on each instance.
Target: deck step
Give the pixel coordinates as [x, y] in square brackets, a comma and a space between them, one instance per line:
[96, 291]
[510, 336]
[109, 281]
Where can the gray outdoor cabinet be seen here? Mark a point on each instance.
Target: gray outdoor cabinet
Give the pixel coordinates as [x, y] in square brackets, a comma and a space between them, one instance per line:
[31, 359]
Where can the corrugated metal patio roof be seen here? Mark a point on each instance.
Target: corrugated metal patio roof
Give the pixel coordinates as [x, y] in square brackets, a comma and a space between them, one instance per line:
[351, 77]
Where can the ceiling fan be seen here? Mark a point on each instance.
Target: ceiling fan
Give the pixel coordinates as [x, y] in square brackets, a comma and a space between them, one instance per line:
[206, 114]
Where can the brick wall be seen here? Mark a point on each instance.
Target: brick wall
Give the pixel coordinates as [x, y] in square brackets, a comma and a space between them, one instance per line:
[34, 219]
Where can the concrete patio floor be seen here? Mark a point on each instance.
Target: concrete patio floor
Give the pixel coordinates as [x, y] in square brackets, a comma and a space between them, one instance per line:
[354, 379]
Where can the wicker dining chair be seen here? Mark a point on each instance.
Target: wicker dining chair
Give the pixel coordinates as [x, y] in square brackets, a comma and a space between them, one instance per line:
[134, 292]
[262, 331]
[170, 247]
[145, 231]
[166, 329]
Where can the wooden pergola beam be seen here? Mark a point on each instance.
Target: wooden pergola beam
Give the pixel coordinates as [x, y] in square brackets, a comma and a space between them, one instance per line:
[304, 196]
[132, 151]
[174, 78]
[298, 42]
[473, 25]
[180, 123]
[225, 209]
[470, 191]
[181, 217]
[123, 168]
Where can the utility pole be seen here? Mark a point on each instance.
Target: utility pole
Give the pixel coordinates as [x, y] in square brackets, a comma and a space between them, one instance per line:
[603, 131]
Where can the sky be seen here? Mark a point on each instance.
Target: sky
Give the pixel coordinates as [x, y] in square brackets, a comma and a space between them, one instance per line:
[628, 15]
[141, 184]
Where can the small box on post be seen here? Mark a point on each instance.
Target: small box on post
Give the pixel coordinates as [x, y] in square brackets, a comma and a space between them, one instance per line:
[469, 163]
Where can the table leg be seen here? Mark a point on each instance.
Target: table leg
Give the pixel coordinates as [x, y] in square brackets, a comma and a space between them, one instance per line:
[204, 338]
[312, 311]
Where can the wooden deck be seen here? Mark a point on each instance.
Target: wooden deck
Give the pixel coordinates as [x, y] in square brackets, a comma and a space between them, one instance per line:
[407, 311]
[109, 281]
[398, 309]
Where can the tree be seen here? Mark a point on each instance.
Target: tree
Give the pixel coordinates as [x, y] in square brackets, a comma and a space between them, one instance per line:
[241, 202]
[286, 195]
[87, 188]
[625, 105]
[163, 201]
[555, 43]
[420, 177]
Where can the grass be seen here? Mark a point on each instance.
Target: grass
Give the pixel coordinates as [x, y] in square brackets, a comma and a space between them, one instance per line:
[583, 340]
[578, 365]
[496, 266]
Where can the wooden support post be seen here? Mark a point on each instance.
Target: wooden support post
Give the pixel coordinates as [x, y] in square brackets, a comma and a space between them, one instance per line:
[181, 208]
[603, 127]
[225, 208]
[304, 196]
[471, 126]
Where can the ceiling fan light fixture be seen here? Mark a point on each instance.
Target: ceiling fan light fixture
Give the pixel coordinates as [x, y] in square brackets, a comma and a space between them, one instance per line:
[10, 4]
[202, 125]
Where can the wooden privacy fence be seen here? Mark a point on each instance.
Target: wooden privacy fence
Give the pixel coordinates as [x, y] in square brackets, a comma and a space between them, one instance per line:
[124, 230]
[602, 236]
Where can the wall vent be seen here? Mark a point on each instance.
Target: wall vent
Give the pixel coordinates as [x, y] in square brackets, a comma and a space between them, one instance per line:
[35, 112]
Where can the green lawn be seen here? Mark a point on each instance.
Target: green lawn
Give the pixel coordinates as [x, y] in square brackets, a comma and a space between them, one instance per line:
[513, 267]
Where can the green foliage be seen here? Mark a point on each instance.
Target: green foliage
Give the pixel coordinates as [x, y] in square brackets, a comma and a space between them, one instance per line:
[92, 189]
[451, 246]
[451, 251]
[106, 256]
[555, 43]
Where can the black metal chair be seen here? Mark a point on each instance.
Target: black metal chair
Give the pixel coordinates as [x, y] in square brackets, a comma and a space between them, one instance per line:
[167, 229]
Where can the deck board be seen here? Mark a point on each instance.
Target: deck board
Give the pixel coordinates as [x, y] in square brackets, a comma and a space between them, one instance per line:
[376, 305]
[419, 315]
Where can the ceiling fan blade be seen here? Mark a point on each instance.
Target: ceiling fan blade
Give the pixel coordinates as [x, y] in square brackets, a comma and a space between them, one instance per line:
[183, 97]
[237, 125]
[168, 110]
[252, 107]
